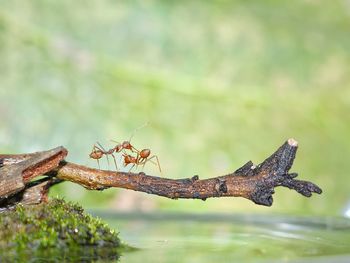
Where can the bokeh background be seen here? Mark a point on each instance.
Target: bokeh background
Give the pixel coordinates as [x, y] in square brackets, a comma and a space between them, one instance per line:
[218, 82]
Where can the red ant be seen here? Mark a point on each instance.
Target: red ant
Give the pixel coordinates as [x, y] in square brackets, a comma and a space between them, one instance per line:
[98, 151]
[142, 157]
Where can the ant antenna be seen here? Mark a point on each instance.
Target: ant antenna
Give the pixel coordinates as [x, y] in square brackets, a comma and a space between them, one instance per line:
[133, 133]
[115, 141]
[138, 128]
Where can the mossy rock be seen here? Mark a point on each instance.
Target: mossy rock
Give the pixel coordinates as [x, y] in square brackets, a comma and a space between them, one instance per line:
[57, 230]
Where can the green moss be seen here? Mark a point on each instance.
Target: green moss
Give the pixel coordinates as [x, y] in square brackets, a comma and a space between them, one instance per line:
[59, 230]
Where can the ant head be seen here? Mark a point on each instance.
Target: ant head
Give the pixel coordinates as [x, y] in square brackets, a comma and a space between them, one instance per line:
[129, 159]
[127, 145]
[145, 153]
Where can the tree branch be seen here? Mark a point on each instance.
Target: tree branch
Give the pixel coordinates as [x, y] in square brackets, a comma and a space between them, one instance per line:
[254, 182]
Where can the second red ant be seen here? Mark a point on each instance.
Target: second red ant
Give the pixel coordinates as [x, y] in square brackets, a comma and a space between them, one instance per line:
[142, 157]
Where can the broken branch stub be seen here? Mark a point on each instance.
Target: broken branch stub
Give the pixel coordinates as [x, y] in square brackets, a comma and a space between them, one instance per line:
[274, 172]
[16, 171]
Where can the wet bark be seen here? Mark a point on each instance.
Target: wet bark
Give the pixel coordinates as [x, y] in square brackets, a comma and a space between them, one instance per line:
[254, 182]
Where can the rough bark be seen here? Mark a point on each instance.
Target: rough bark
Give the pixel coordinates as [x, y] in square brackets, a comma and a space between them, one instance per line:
[254, 182]
[16, 170]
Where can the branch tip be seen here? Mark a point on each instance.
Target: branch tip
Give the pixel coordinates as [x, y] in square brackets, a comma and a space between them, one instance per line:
[292, 142]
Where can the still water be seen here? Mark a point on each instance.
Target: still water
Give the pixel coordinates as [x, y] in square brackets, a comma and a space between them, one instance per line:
[170, 237]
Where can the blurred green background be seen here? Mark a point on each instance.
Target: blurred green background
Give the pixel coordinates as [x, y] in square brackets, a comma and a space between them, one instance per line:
[219, 82]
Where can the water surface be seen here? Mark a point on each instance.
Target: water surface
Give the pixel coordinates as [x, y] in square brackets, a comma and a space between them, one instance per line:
[170, 237]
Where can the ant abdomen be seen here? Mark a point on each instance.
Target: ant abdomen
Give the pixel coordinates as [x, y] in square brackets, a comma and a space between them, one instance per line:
[96, 154]
[145, 153]
[129, 159]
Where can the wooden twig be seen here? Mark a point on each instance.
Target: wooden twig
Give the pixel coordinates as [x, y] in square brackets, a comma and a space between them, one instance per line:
[254, 182]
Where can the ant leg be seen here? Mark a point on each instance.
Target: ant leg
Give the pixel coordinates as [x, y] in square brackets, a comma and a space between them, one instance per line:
[134, 150]
[115, 162]
[93, 148]
[140, 161]
[98, 163]
[148, 160]
[155, 156]
[99, 147]
[143, 161]
[131, 168]
[143, 165]
[104, 151]
[107, 161]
